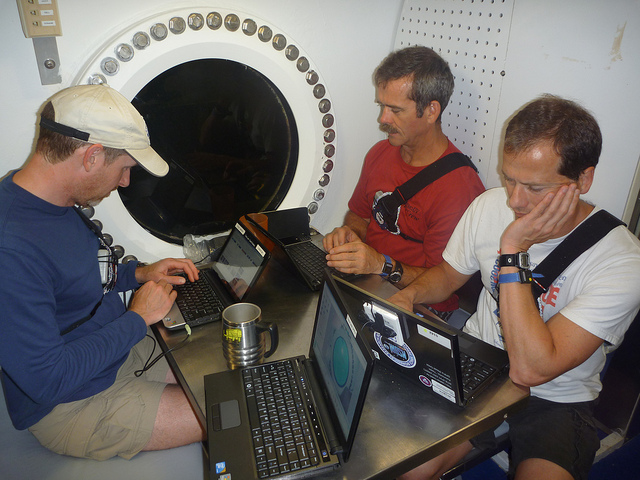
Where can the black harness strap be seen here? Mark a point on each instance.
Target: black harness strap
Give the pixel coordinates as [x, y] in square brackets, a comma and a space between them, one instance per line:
[579, 241]
[92, 226]
[429, 174]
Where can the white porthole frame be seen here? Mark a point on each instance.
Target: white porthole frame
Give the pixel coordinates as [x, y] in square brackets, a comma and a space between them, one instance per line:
[134, 57]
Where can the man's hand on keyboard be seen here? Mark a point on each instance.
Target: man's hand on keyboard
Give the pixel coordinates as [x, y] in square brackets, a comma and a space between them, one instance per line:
[167, 270]
[339, 236]
[355, 257]
[153, 301]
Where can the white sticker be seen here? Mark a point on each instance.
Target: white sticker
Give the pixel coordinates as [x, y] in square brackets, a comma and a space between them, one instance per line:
[260, 250]
[352, 327]
[443, 391]
[435, 337]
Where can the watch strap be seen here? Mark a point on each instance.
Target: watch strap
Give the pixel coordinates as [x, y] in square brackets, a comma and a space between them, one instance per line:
[521, 276]
[387, 268]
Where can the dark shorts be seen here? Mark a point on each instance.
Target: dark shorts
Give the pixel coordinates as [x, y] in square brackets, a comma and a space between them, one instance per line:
[562, 433]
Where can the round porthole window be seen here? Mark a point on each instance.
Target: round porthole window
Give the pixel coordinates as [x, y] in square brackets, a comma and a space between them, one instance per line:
[231, 143]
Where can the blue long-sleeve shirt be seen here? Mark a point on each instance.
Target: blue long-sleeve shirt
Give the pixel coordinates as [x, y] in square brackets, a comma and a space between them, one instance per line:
[50, 279]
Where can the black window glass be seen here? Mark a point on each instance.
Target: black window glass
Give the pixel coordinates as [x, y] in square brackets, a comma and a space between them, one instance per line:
[231, 143]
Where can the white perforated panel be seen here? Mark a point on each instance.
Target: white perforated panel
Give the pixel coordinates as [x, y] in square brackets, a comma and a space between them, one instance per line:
[472, 35]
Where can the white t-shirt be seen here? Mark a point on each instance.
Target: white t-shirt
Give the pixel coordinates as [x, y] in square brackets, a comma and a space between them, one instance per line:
[599, 291]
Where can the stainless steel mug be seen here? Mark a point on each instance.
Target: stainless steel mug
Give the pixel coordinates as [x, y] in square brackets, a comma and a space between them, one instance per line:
[243, 341]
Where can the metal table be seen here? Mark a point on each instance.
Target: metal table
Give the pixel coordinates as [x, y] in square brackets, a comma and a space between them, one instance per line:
[402, 426]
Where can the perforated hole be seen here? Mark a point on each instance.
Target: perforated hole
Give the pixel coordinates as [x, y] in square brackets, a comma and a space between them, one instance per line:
[473, 38]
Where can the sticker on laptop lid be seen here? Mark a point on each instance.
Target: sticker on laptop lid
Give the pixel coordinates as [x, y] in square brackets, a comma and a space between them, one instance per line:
[399, 354]
[443, 391]
[435, 337]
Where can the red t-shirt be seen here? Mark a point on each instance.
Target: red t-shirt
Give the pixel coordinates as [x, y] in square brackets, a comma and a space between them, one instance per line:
[430, 215]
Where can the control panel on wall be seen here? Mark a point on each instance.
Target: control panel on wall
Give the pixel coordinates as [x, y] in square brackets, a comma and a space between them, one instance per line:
[39, 18]
[41, 22]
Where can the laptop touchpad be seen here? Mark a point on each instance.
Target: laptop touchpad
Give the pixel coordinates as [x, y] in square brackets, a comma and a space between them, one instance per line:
[225, 415]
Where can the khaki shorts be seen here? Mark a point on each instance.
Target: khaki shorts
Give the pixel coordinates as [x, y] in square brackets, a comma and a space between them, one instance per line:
[117, 421]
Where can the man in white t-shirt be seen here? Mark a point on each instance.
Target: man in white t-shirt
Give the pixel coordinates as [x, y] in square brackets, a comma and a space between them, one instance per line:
[556, 344]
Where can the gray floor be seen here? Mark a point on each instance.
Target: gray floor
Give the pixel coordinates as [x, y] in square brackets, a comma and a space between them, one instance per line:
[23, 458]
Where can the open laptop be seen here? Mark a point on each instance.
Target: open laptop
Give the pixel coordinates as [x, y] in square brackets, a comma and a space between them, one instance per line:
[241, 261]
[444, 360]
[243, 441]
[289, 230]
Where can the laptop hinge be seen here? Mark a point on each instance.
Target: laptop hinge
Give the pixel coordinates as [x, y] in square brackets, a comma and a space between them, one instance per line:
[323, 412]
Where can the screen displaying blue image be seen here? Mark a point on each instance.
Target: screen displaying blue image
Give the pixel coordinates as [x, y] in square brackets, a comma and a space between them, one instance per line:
[339, 358]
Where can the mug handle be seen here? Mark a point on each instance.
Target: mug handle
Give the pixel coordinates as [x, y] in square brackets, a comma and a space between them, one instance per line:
[272, 328]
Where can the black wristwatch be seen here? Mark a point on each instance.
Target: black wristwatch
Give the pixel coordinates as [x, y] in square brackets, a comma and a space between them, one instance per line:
[396, 275]
[387, 268]
[518, 260]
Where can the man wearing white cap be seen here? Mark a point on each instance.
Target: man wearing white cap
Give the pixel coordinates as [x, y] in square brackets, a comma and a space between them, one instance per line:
[72, 355]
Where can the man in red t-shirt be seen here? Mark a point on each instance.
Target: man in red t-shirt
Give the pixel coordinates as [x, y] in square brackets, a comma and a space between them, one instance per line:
[413, 87]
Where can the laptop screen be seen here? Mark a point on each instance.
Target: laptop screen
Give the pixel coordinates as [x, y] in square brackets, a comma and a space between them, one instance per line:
[239, 263]
[288, 226]
[340, 359]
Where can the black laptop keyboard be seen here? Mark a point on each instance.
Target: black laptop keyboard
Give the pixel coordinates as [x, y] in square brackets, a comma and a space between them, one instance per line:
[283, 437]
[474, 372]
[312, 260]
[309, 258]
[198, 302]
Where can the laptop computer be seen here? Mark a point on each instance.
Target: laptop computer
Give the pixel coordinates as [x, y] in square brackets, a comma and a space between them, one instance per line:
[289, 230]
[319, 399]
[444, 360]
[241, 261]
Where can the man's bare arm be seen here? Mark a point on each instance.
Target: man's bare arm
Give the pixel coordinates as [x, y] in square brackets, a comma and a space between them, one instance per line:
[434, 285]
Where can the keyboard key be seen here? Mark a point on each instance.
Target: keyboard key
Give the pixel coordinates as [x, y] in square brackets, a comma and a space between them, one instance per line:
[282, 439]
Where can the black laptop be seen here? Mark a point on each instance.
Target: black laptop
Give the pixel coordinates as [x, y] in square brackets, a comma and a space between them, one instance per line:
[444, 360]
[289, 230]
[241, 261]
[294, 417]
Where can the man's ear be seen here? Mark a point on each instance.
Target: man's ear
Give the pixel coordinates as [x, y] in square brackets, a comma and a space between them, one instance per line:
[432, 111]
[586, 180]
[90, 156]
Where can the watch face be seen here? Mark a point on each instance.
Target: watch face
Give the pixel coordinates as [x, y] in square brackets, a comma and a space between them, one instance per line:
[395, 277]
[523, 260]
[520, 260]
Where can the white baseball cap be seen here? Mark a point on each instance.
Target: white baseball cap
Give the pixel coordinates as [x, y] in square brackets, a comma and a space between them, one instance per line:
[99, 114]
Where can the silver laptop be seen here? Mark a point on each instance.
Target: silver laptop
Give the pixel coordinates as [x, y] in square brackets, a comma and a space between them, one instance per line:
[229, 280]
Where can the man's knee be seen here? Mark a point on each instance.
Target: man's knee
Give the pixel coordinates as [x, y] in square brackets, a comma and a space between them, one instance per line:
[434, 468]
[176, 423]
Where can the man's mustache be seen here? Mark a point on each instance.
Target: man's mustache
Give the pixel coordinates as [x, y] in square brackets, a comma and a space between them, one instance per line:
[386, 128]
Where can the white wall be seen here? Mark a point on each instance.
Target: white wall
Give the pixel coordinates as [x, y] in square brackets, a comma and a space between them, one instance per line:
[345, 39]
[585, 50]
